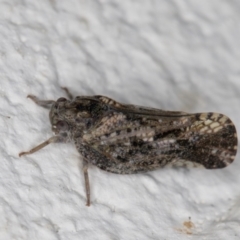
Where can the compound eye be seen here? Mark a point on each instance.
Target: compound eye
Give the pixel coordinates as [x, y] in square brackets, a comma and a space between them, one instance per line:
[62, 99]
[62, 126]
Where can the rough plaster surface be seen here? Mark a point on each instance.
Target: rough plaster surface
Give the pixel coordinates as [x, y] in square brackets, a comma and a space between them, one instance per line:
[174, 55]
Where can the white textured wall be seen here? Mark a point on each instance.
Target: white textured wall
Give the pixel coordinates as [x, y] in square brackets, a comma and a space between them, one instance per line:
[174, 55]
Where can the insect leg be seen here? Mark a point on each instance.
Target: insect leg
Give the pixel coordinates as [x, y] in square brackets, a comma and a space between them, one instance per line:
[70, 96]
[42, 103]
[86, 178]
[42, 145]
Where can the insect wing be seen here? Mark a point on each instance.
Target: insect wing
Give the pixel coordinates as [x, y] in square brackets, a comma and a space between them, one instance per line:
[137, 139]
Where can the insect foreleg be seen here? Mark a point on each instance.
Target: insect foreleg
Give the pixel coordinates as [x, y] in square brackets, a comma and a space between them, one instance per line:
[42, 145]
[42, 103]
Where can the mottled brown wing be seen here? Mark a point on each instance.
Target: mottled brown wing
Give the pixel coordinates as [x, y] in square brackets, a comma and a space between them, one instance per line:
[131, 139]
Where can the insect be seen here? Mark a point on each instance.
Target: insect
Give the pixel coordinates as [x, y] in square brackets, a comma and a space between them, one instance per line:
[125, 139]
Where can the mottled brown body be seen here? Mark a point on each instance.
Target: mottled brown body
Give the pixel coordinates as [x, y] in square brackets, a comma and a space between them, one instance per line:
[125, 139]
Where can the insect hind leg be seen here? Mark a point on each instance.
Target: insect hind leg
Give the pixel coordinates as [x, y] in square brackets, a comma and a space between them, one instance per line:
[86, 179]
